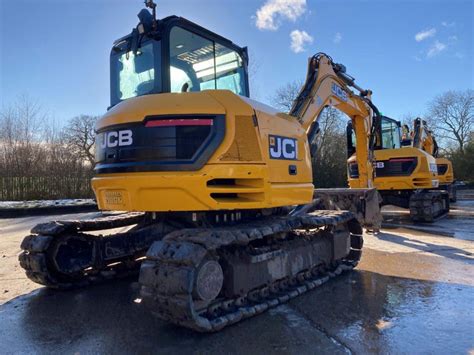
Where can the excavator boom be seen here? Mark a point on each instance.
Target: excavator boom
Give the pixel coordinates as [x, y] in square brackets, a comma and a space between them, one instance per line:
[328, 85]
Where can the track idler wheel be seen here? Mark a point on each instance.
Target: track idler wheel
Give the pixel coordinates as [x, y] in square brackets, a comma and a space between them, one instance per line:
[72, 255]
[57, 262]
[209, 281]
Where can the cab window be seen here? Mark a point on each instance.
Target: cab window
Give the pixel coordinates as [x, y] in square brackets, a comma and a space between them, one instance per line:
[198, 63]
[133, 73]
[390, 134]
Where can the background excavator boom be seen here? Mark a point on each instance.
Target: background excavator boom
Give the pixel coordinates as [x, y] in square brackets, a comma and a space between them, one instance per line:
[423, 138]
[327, 84]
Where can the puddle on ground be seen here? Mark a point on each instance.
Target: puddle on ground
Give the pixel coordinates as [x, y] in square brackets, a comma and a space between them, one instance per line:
[361, 311]
[459, 223]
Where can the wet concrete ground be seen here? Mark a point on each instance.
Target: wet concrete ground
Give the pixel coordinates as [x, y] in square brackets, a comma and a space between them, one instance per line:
[412, 293]
[458, 224]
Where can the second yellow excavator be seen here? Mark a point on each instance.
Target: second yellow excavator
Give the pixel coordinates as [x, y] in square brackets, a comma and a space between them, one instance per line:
[422, 137]
[406, 177]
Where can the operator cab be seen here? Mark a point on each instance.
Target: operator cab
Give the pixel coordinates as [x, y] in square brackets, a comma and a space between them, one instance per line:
[175, 55]
[388, 136]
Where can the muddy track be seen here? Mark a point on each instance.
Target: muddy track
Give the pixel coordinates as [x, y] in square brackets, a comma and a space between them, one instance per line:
[168, 275]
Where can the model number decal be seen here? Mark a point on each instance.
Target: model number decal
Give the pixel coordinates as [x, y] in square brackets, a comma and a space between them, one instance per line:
[339, 92]
[283, 147]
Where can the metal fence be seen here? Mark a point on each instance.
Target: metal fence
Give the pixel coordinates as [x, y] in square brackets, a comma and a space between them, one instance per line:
[44, 187]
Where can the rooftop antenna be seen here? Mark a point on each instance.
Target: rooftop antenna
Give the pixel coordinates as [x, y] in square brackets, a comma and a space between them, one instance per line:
[151, 5]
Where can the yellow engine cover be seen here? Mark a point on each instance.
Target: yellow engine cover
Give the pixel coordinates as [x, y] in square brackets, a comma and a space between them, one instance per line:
[391, 176]
[445, 171]
[248, 170]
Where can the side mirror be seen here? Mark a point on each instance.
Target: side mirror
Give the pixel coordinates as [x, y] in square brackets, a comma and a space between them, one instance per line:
[146, 19]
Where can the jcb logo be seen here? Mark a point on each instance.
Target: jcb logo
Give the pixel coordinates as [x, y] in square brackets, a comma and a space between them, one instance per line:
[283, 148]
[339, 92]
[115, 139]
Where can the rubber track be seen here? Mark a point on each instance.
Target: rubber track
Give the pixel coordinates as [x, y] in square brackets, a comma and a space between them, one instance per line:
[421, 206]
[167, 275]
[36, 262]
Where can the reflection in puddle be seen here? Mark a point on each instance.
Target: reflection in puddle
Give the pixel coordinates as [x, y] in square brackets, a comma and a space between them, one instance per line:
[458, 224]
[361, 311]
[377, 313]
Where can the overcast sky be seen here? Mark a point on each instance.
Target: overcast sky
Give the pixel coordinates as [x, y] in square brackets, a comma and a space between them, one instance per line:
[57, 51]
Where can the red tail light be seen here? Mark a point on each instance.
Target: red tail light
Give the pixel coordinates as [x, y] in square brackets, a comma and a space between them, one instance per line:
[402, 160]
[180, 122]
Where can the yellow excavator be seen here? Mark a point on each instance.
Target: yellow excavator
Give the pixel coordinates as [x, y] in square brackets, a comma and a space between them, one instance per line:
[406, 176]
[221, 221]
[423, 138]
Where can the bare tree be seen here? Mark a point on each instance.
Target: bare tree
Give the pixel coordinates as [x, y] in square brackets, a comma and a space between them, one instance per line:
[80, 136]
[330, 161]
[36, 159]
[451, 115]
[20, 137]
[285, 95]
[330, 120]
[408, 118]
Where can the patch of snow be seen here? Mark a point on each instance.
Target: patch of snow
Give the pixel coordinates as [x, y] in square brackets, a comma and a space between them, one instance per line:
[45, 203]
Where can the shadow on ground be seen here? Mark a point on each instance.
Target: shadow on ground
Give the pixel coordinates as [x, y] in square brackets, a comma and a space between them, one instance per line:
[437, 249]
[459, 223]
[360, 311]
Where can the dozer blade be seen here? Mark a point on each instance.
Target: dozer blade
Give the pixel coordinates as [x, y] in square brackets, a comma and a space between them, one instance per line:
[363, 203]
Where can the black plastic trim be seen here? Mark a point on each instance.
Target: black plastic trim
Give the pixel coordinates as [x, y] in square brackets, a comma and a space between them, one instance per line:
[353, 170]
[199, 159]
[292, 170]
[442, 169]
[388, 169]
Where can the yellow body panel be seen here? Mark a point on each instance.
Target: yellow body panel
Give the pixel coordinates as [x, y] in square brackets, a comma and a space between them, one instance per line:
[448, 177]
[421, 178]
[427, 143]
[243, 155]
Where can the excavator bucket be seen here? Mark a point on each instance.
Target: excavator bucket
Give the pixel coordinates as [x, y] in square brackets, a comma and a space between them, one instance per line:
[364, 203]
